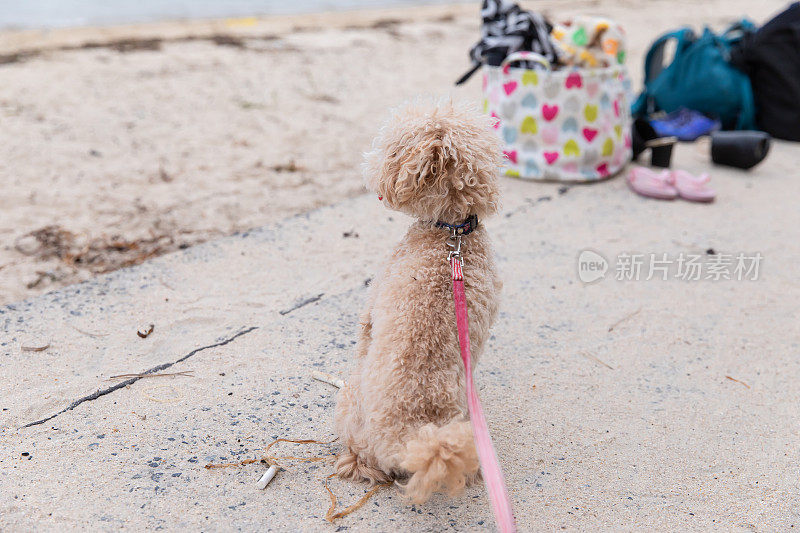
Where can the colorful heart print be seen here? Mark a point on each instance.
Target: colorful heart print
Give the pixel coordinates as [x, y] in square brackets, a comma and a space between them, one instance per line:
[529, 126]
[552, 87]
[496, 120]
[574, 80]
[508, 110]
[566, 126]
[579, 38]
[590, 157]
[572, 105]
[611, 46]
[530, 78]
[510, 87]
[510, 135]
[550, 134]
[531, 168]
[530, 101]
[571, 148]
[551, 157]
[608, 147]
[549, 112]
[570, 125]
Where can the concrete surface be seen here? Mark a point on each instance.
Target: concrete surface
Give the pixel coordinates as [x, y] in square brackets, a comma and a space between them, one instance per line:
[664, 405]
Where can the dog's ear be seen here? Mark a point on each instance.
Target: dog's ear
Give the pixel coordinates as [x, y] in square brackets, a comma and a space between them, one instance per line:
[420, 168]
[400, 172]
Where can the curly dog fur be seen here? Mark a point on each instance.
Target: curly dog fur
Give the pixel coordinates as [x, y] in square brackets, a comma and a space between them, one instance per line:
[402, 414]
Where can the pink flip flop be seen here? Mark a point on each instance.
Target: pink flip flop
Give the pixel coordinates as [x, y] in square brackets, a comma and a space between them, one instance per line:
[692, 188]
[645, 182]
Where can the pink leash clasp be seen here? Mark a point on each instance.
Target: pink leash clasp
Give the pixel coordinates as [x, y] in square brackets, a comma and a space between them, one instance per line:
[490, 467]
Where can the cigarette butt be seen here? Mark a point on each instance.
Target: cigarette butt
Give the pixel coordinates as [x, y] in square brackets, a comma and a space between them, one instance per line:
[327, 378]
[267, 477]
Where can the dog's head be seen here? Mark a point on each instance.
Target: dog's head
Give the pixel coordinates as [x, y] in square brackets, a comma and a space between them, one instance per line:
[436, 162]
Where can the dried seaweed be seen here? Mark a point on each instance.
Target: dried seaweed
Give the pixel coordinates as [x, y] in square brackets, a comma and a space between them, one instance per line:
[96, 254]
[331, 515]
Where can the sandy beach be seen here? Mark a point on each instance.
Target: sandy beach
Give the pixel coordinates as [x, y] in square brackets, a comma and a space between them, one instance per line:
[620, 405]
[123, 143]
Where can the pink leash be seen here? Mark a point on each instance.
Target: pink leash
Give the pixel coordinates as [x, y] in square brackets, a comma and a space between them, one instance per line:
[492, 475]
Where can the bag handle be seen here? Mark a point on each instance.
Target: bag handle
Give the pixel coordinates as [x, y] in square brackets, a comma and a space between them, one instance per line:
[738, 31]
[523, 55]
[654, 61]
[654, 65]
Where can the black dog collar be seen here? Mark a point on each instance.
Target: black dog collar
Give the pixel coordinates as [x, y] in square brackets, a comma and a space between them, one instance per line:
[465, 228]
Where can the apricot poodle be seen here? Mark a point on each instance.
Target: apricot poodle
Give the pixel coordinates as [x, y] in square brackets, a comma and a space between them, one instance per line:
[402, 414]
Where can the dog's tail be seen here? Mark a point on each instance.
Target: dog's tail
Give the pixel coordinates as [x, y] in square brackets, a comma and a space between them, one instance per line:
[440, 458]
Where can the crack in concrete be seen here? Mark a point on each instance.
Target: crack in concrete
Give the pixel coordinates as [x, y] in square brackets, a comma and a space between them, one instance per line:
[301, 303]
[97, 394]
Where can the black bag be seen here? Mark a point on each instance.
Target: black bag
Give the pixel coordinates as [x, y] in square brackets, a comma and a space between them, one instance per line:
[771, 57]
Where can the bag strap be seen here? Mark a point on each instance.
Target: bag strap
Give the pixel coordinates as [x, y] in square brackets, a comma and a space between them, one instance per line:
[738, 31]
[513, 57]
[523, 55]
[654, 61]
[654, 65]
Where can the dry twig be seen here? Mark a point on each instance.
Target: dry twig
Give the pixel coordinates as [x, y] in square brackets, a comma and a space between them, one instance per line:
[328, 378]
[738, 381]
[187, 373]
[597, 360]
[88, 333]
[35, 348]
[623, 319]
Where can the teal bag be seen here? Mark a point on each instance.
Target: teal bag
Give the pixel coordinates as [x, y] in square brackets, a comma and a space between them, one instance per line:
[700, 77]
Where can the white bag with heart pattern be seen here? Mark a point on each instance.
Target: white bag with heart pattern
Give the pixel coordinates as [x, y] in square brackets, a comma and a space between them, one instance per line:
[570, 125]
